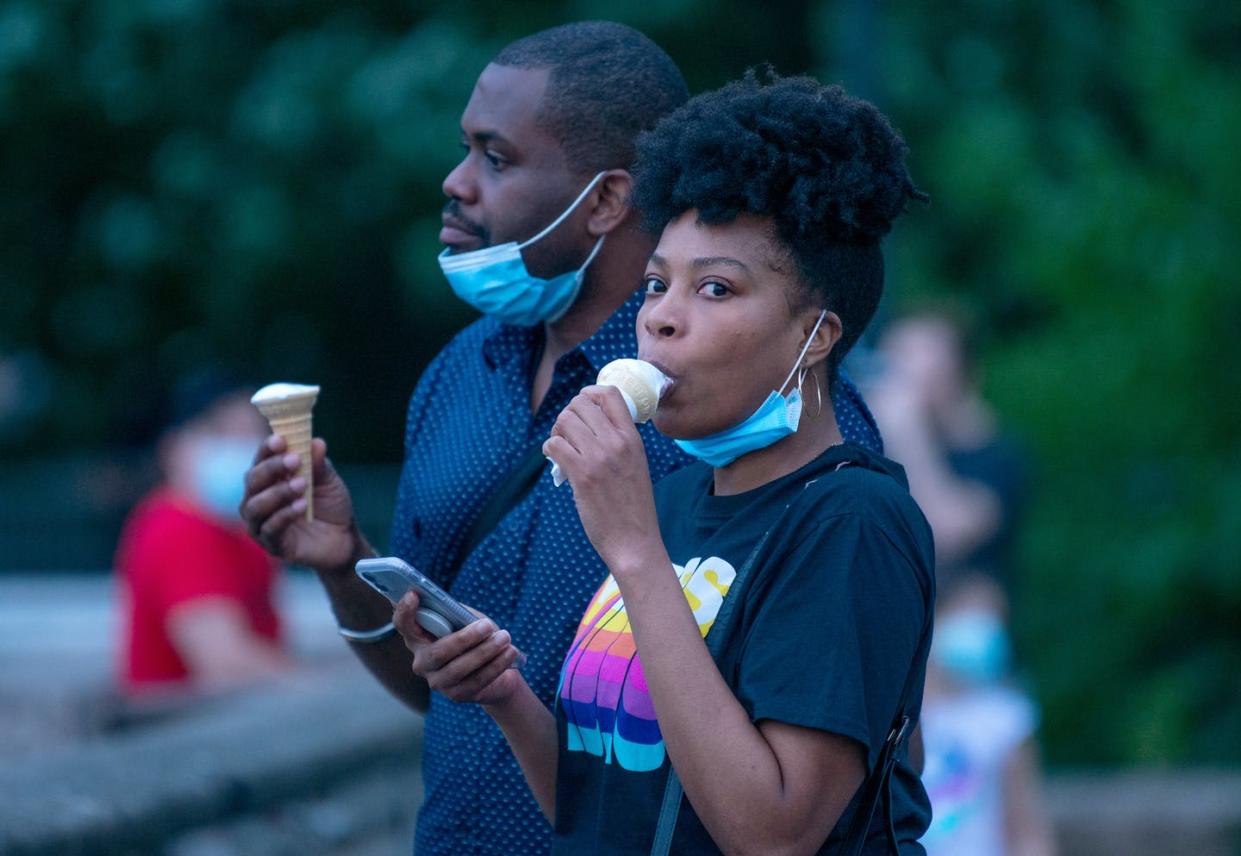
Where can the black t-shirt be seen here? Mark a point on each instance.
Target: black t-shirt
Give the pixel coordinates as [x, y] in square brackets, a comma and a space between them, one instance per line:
[825, 634]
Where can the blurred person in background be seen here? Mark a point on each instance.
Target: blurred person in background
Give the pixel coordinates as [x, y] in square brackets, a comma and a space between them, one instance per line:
[978, 729]
[548, 140]
[196, 591]
[982, 761]
[966, 473]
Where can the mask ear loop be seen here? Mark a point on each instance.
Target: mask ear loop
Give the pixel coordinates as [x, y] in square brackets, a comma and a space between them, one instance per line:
[581, 273]
[564, 214]
[594, 252]
[802, 356]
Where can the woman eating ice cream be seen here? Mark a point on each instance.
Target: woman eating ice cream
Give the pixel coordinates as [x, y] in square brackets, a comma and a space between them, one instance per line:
[744, 679]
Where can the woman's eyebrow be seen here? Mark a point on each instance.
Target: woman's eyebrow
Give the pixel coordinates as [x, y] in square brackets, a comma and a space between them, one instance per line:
[711, 261]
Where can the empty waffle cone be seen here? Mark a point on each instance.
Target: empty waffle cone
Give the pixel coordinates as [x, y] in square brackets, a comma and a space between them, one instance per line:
[287, 408]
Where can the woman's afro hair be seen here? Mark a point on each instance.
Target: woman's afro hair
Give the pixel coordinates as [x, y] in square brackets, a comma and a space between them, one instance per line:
[826, 168]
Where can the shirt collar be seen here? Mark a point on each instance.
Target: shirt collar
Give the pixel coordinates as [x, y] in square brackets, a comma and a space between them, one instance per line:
[615, 339]
[506, 342]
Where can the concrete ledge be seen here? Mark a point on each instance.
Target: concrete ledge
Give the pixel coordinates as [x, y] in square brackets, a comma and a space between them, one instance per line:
[134, 790]
[318, 764]
[1151, 811]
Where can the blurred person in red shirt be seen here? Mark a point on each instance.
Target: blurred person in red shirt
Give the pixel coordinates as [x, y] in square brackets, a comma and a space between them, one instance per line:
[197, 592]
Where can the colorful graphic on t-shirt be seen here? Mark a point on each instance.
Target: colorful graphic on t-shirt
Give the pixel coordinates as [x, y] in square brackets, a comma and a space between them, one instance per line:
[602, 689]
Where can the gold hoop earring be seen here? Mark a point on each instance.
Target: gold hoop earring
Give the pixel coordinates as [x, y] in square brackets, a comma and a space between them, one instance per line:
[818, 388]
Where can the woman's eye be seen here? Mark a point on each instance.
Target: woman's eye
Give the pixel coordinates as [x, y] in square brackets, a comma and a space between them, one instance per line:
[654, 285]
[713, 289]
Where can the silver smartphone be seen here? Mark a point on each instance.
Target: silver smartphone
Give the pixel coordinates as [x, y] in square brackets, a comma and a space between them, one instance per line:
[439, 613]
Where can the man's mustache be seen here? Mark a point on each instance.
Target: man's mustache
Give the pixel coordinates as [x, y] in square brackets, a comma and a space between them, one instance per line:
[452, 211]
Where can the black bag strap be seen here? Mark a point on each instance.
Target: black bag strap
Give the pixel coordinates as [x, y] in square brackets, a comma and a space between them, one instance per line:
[878, 783]
[509, 491]
[670, 808]
[673, 792]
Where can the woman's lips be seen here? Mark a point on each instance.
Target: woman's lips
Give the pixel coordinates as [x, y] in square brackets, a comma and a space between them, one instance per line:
[672, 381]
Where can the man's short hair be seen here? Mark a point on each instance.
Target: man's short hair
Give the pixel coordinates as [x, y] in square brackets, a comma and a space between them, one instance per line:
[607, 84]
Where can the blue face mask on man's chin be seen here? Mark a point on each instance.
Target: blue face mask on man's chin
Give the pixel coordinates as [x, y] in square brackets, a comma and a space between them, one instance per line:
[494, 280]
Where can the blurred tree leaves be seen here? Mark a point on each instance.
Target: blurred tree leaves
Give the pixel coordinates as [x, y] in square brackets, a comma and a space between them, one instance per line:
[257, 184]
[245, 184]
[1085, 198]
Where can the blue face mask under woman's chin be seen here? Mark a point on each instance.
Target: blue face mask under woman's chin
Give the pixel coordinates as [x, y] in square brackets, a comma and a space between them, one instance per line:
[776, 418]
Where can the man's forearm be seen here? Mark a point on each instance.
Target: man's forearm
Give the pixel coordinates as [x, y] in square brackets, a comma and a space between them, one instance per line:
[357, 606]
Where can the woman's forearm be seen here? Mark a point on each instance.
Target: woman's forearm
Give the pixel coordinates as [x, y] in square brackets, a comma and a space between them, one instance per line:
[530, 730]
[732, 778]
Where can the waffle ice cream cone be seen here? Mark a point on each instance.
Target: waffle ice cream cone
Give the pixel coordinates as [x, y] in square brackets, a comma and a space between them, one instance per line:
[287, 408]
[640, 384]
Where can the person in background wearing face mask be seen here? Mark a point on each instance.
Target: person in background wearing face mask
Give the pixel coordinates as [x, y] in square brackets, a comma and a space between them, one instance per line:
[982, 761]
[540, 236]
[196, 590]
[744, 679]
[982, 769]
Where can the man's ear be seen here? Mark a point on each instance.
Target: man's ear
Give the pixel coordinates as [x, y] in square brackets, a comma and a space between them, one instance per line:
[610, 202]
[825, 338]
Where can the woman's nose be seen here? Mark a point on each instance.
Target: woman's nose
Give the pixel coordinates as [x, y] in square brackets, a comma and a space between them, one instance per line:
[662, 319]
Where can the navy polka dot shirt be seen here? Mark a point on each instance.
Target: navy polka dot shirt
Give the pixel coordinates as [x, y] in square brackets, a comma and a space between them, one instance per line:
[469, 423]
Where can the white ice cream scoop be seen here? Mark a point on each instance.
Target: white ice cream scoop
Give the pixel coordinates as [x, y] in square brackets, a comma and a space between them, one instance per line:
[640, 385]
[288, 407]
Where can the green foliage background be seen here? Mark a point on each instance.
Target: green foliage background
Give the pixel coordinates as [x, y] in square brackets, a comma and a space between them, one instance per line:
[257, 184]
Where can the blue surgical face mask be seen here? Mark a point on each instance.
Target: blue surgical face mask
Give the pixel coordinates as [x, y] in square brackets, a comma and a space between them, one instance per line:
[218, 474]
[494, 280]
[776, 418]
[972, 647]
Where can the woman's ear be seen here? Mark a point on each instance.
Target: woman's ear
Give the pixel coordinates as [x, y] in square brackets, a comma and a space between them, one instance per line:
[611, 202]
[825, 338]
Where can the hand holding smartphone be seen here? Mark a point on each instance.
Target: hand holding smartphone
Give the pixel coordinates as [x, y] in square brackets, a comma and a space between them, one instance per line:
[439, 613]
